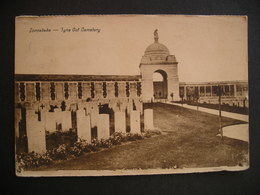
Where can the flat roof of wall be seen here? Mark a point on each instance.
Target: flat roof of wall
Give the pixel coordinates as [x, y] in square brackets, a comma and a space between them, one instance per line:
[59, 77]
[215, 82]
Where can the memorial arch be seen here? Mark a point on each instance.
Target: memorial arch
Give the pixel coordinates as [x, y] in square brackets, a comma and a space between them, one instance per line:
[157, 59]
[160, 90]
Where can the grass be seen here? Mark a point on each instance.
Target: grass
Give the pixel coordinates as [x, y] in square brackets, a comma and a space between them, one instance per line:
[189, 141]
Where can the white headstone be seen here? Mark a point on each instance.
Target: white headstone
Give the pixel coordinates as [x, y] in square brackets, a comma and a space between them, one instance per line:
[50, 122]
[66, 120]
[120, 122]
[103, 126]
[128, 107]
[148, 119]
[114, 104]
[88, 106]
[83, 126]
[58, 116]
[135, 123]
[94, 111]
[138, 104]
[35, 133]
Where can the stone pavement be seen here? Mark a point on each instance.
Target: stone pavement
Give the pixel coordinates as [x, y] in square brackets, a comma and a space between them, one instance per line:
[241, 117]
[237, 132]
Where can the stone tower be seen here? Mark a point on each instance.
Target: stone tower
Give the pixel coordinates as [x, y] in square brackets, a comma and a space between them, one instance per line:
[157, 58]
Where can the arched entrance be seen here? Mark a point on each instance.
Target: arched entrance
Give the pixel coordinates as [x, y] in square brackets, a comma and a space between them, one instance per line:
[160, 85]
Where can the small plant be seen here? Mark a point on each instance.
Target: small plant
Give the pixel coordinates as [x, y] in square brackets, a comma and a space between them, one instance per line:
[31, 160]
[59, 153]
[70, 150]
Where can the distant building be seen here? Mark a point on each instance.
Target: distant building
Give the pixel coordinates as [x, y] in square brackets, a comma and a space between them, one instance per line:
[234, 93]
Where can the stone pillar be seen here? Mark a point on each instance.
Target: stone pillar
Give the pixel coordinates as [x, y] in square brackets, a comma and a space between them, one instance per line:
[133, 89]
[120, 122]
[66, 120]
[98, 90]
[45, 91]
[72, 91]
[148, 119]
[86, 90]
[210, 90]
[35, 133]
[18, 117]
[235, 90]
[135, 123]
[17, 92]
[103, 130]
[110, 89]
[30, 92]
[83, 126]
[59, 92]
[121, 89]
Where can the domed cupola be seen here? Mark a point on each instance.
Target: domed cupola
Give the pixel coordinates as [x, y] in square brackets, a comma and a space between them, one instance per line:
[157, 53]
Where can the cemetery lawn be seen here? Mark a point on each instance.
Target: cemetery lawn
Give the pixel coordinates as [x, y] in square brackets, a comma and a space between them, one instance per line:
[188, 141]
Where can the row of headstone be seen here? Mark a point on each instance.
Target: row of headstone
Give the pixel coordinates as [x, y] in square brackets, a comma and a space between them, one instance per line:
[57, 119]
[122, 105]
[62, 120]
[36, 129]
[103, 131]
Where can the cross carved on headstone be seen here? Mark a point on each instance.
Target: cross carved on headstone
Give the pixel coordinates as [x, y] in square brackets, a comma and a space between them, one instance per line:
[42, 106]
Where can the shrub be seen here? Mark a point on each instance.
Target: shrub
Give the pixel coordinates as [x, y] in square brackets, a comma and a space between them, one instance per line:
[71, 150]
[31, 160]
[78, 148]
[105, 143]
[60, 153]
[150, 133]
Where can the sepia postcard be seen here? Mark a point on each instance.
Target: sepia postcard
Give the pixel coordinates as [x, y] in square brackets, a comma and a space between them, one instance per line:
[103, 95]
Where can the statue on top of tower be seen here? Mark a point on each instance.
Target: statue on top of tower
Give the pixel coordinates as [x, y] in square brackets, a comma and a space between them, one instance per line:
[156, 36]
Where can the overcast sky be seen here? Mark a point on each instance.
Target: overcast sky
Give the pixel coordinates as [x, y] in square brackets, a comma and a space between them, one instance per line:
[208, 48]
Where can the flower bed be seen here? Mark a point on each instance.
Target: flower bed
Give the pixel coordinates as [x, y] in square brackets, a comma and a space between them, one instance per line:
[68, 150]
